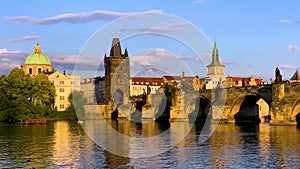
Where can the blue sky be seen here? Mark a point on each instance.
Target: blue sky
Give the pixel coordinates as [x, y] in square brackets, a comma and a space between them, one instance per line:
[253, 37]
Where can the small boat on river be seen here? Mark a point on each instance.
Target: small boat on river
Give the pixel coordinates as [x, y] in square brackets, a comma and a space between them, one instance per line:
[34, 121]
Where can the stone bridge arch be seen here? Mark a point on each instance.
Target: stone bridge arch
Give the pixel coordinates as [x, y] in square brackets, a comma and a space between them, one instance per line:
[241, 100]
[295, 111]
[247, 107]
[198, 105]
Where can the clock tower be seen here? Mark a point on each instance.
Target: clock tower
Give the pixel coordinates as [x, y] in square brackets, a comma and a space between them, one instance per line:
[215, 70]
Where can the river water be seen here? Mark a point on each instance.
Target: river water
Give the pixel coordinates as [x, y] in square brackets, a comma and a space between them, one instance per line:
[64, 144]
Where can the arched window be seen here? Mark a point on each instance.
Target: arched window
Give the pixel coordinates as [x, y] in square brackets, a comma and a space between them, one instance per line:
[39, 70]
[30, 70]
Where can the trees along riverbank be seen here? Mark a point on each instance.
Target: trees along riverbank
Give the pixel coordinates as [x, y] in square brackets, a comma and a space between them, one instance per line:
[23, 97]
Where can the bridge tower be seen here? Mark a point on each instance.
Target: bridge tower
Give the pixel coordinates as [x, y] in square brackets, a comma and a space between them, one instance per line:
[117, 75]
[215, 70]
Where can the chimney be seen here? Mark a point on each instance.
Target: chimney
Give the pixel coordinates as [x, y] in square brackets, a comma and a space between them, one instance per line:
[182, 74]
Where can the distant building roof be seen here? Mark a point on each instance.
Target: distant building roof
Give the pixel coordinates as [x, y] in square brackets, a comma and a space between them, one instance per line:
[151, 81]
[296, 76]
[245, 79]
[179, 78]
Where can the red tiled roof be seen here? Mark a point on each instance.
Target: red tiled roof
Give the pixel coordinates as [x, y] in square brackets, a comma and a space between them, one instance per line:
[245, 79]
[152, 81]
[184, 78]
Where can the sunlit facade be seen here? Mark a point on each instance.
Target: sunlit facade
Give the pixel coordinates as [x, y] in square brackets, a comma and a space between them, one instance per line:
[64, 85]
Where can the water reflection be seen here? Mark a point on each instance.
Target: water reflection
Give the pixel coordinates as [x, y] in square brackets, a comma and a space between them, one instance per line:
[65, 145]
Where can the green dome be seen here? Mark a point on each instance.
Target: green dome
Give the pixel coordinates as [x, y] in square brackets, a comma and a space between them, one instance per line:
[37, 57]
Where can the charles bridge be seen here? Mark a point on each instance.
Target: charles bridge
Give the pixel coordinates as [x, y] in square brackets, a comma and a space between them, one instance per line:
[235, 104]
[240, 103]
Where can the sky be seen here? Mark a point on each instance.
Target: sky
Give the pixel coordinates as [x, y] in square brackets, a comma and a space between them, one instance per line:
[253, 37]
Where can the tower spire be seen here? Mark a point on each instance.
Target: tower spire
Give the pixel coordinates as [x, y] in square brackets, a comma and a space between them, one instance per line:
[215, 56]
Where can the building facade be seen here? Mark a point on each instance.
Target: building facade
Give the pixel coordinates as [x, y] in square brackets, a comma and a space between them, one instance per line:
[144, 85]
[93, 90]
[243, 81]
[117, 74]
[64, 86]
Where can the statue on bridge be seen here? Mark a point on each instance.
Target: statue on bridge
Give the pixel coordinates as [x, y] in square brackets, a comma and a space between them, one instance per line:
[197, 83]
[278, 76]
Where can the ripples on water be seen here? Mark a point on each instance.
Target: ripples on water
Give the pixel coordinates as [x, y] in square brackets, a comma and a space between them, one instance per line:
[65, 145]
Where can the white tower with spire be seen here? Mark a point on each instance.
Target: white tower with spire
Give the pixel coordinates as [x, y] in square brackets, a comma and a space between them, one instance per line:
[215, 70]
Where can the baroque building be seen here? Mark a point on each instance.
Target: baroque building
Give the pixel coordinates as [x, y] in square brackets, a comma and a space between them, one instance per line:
[37, 62]
[64, 85]
[117, 74]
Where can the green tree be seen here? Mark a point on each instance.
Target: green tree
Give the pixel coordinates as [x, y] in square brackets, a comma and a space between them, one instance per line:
[43, 94]
[76, 109]
[3, 99]
[16, 90]
[23, 97]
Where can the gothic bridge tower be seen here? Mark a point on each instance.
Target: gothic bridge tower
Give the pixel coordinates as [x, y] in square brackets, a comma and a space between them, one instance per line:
[117, 75]
[215, 71]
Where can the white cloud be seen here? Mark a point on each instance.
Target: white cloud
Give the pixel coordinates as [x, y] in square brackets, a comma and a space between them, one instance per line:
[284, 21]
[294, 48]
[4, 51]
[286, 66]
[81, 17]
[5, 59]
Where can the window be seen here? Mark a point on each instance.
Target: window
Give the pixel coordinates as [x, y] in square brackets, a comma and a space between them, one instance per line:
[61, 97]
[30, 70]
[61, 89]
[61, 82]
[47, 70]
[61, 106]
[72, 82]
[39, 70]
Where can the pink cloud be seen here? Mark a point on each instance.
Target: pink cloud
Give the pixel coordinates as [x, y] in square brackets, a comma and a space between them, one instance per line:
[81, 17]
[22, 39]
[227, 62]
[5, 59]
[200, 1]
[284, 21]
[286, 66]
[71, 59]
[294, 48]
[5, 66]
[167, 27]
[143, 60]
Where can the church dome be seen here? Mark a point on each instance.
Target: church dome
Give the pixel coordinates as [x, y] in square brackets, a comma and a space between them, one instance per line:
[37, 57]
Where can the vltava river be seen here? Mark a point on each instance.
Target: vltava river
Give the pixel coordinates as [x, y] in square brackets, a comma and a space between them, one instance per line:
[64, 144]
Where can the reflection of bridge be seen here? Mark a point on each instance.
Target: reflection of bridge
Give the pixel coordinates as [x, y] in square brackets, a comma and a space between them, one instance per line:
[240, 104]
